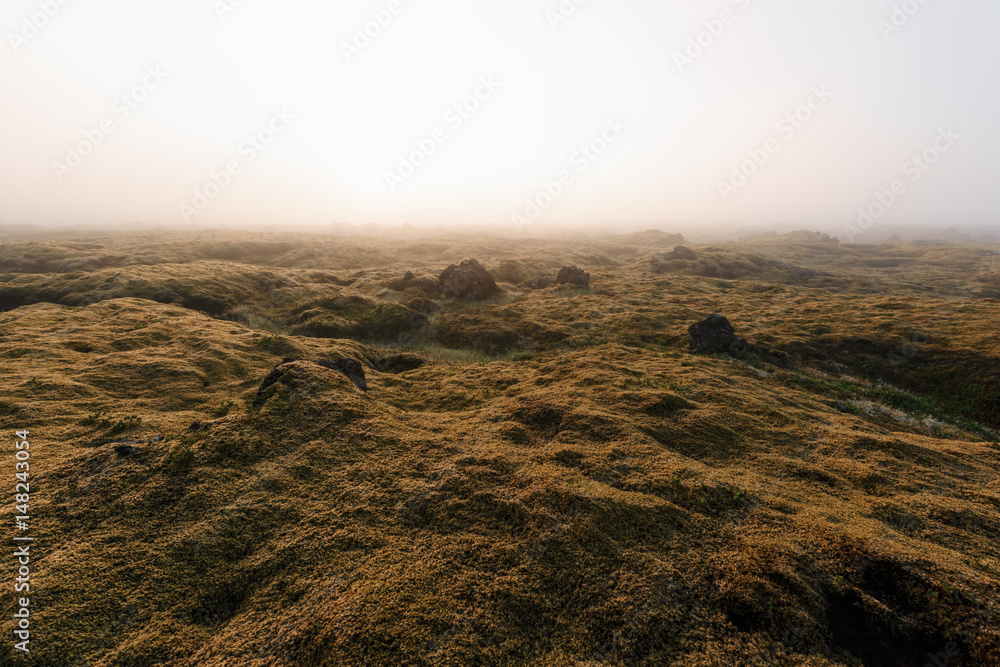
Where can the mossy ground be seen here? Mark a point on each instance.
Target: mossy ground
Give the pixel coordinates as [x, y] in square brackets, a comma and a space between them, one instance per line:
[561, 483]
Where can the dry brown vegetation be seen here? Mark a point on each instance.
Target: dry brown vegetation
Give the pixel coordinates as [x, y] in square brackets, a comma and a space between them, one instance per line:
[559, 483]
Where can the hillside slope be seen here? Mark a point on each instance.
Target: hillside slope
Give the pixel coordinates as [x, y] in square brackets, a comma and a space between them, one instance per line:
[546, 477]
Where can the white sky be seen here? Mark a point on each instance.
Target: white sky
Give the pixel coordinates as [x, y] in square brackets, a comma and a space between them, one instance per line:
[686, 131]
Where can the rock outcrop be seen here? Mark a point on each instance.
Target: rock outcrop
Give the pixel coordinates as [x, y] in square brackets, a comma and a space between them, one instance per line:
[716, 335]
[468, 280]
[573, 276]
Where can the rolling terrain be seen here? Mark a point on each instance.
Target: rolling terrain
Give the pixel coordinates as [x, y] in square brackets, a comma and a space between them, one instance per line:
[540, 476]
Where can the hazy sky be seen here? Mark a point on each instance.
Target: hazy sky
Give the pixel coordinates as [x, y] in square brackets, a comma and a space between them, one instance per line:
[318, 125]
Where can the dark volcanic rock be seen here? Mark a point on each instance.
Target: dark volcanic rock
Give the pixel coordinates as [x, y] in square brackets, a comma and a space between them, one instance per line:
[353, 369]
[126, 450]
[468, 280]
[716, 335]
[538, 282]
[573, 276]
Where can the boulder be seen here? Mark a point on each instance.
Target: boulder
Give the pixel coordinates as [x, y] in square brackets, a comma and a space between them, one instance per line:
[716, 335]
[573, 276]
[468, 280]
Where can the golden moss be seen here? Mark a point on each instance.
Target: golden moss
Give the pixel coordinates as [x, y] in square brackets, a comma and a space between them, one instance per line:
[594, 495]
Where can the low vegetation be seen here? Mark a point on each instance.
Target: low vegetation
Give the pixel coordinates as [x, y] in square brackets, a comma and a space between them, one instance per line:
[545, 476]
